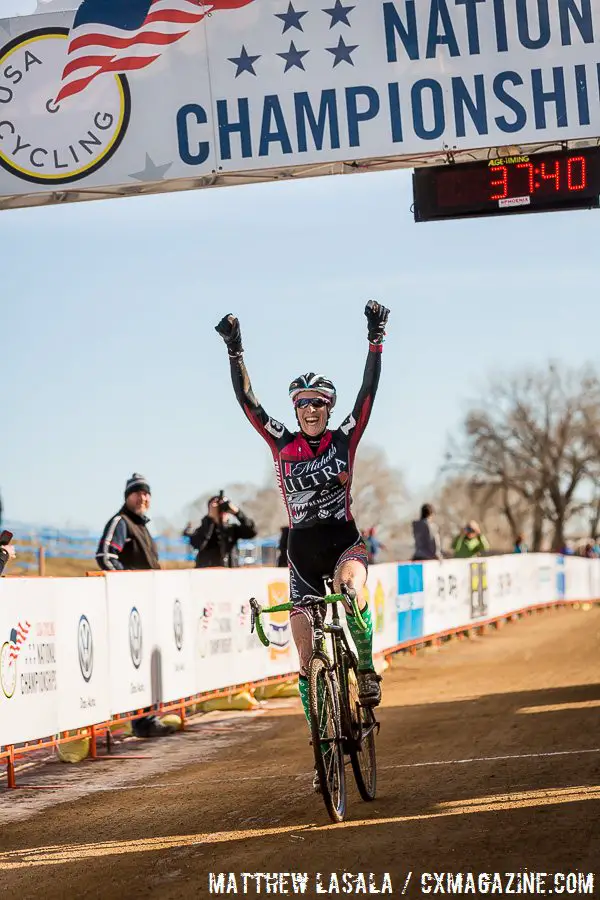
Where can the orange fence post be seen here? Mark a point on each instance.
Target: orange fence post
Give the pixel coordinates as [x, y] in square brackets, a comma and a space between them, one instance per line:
[41, 562]
[93, 744]
[11, 778]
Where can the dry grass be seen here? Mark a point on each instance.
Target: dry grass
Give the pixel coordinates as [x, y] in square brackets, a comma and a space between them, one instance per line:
[68, 568]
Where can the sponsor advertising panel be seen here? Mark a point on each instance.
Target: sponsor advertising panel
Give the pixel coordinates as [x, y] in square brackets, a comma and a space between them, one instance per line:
[174, 617]
[76, 651]
[135, 645]
[83, 655]
[454, 594]
[29, 681]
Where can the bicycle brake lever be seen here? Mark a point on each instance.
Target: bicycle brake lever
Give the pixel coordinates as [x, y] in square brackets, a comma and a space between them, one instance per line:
[254, 613]
[347, 592]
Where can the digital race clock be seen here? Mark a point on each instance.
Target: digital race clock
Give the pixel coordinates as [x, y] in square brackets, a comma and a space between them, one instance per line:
[542, 182]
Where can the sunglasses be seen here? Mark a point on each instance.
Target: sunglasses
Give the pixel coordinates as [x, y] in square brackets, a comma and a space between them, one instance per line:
[315, 402]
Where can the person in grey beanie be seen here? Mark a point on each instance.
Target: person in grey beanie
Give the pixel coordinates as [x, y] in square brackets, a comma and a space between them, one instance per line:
[126, 544]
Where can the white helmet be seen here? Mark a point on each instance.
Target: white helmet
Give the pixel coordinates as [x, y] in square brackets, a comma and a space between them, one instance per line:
[313, 382]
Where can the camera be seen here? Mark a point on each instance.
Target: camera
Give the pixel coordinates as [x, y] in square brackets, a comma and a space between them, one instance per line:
[224, 505]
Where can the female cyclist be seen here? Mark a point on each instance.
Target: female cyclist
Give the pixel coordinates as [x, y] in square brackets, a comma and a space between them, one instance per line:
[314, 471]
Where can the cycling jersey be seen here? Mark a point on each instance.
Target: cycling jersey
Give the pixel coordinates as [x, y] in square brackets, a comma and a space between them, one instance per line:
[315, 485]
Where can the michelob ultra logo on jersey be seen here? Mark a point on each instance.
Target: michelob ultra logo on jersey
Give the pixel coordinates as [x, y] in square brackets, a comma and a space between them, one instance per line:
[49, 142]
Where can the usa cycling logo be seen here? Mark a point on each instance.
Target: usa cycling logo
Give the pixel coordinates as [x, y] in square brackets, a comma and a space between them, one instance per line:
[48, 142]
[178, 624]
[85, 648]
[9, 655]
[135, 637]
[64, 94]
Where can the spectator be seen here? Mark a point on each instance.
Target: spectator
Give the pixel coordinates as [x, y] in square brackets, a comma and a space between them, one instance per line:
[216, 539]
[282, 559]
[373, 544]
[589, 551]
[7, 551]
[127, 544]
[520, 545]
[470, 542]
[427, 535]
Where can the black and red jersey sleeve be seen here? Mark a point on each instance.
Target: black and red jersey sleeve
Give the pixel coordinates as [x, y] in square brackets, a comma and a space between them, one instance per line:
[274, 432]
[354, 426]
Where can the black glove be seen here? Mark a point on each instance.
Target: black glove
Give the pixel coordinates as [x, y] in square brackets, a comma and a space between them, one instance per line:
[229, 329]
[377, 316]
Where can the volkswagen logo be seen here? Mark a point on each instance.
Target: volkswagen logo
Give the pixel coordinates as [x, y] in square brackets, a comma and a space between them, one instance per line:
[85, 646]
[135, 637]
[178, 624]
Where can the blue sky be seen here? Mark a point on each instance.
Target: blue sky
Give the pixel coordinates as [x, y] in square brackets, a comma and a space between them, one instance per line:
[111, 364]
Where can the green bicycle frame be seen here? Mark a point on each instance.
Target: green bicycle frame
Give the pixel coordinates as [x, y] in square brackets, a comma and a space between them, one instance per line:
[258, 611]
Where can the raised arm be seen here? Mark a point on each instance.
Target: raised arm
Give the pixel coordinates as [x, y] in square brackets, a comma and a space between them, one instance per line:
[271, 430]
[245, 529]
[377, 317]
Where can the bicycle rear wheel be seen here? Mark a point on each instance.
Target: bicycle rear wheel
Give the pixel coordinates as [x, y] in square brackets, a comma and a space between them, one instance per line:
[326, 730]
[361, 745]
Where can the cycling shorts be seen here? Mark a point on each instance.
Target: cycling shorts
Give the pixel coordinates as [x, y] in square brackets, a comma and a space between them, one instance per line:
[317, 553]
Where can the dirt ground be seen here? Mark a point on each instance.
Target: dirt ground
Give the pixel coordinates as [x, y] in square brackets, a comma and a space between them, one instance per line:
[489, 762]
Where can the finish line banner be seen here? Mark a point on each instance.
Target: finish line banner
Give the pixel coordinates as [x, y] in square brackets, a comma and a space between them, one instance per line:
[120, 97]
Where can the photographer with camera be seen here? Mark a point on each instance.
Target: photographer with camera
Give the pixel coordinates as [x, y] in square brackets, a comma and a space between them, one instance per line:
[216, 538]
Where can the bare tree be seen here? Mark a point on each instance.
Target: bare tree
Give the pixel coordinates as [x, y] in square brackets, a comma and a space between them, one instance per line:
[528, 439]
[592, 511]
[461, 499]
[380, 500]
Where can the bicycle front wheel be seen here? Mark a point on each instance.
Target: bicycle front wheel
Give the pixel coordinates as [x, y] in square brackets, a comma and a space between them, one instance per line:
[362, 743]
[326, 730]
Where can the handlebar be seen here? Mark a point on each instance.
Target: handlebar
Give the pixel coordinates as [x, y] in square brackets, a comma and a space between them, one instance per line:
[256, 610]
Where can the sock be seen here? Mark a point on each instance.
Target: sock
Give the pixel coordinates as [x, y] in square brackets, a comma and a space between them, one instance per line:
[362, 639]
[303, 688]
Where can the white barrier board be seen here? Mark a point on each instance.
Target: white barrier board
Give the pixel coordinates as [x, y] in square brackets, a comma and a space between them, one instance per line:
[135, 654]
[75, 651]
[449, 598]
[174, 617]
[82, 652]
[28, 661]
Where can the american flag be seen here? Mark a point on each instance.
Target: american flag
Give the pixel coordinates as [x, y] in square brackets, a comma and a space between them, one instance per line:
[18, 636]
[120, 36]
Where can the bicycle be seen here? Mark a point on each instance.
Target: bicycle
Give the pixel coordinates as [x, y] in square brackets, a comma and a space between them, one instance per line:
[339, 725]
